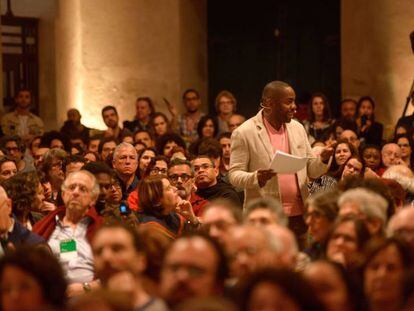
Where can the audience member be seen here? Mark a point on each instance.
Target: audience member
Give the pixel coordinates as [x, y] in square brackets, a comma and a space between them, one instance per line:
[162, 209]
[406, 145]
[369, 130]
[73, 126]
[226, 106]
[144, 136]
[225, 142]
[264, 211]
[8, 168]
[111, 120]
[70, 228]
[181, 176]
[31, 279]
[219, 217]
[401, 226]
[351, 137]
[320, 120]
[21, 121]
[208, 186]
[15, 149]
[160, 125]
[144, 110]
[235, 121]
[194, 267]
[125, 164]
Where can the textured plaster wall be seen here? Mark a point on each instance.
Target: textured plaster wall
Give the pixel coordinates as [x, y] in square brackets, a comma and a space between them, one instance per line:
[111, 52]
[376, 55]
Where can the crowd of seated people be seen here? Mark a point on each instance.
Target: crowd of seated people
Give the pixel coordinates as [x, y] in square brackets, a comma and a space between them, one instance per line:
[142, 216]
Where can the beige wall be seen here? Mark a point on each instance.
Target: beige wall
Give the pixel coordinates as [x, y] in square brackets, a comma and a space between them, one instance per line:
[376, 54]
[111, 52]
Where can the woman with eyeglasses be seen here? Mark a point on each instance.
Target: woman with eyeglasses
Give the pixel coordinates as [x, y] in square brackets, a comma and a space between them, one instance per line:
[320, 215]
[162, 209]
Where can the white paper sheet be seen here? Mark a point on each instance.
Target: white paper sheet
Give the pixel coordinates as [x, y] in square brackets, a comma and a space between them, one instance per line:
[285, 163]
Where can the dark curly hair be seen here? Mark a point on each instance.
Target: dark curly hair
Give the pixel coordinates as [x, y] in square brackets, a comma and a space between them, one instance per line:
[44, 267]
[22, 190]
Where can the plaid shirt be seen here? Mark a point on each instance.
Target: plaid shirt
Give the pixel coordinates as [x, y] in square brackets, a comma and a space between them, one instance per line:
[189, 136]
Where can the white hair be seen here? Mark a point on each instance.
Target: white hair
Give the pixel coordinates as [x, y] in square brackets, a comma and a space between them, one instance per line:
[401, 174]
[95, 186]
[370, 203]
[124, 145]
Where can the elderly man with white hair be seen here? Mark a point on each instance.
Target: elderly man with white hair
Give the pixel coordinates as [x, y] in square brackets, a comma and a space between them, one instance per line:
[366, 205]
[405, 177]
[69, 230]
[264, 211]
[401, 225]
[125, 164]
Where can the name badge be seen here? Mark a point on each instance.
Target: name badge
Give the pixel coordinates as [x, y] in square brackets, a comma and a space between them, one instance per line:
[68, 250]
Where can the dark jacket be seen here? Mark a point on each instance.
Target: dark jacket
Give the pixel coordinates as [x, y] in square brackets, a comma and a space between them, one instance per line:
[221, 190]
[22, 236]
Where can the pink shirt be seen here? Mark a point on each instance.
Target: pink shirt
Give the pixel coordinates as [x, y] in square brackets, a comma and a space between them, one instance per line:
[288, 183]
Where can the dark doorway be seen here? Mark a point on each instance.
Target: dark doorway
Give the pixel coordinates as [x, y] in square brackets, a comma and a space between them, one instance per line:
[252, 43]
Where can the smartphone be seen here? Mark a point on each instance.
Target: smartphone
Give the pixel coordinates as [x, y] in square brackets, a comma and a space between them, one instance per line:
[124, 209]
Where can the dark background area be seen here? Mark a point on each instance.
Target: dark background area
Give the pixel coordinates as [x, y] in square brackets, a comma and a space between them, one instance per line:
[252, 43]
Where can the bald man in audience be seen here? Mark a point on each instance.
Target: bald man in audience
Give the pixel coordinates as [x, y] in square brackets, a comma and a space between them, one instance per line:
[391, 155]
[235, 121]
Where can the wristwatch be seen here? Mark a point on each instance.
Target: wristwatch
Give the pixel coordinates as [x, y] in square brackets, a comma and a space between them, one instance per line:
[87, 287]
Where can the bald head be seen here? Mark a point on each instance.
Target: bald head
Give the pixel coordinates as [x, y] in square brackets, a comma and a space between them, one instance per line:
[275, 89]
[391, 154]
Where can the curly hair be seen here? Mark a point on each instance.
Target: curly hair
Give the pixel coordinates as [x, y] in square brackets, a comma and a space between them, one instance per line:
[44, 268]
[22, 190]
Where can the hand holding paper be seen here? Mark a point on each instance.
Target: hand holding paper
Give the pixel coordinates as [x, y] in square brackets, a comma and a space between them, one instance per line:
[285, 163]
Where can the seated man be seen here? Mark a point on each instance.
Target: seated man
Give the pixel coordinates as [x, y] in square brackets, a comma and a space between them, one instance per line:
[144, 136]
[74, 163]
[366, 205]
[391, 155]
[181, 176]
[219, 217]
[208, 185]
[21, 121]
[73, 127]
[125, 164]
[401, 225]
[193, 267]
[69, 230]
[225, 142]
[235, 121]
[264, 211]
[106, 148]
[15, 149]
[120, 262]
[351, 137]
[111, 120]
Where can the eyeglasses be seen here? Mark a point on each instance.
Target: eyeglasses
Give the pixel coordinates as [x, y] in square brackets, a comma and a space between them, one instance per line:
[175, 177]
[82, 188]
[157, 170]
[205, 166]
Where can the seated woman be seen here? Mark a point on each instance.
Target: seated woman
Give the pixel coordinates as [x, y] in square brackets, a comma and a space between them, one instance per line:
[162, 209]
[346, 240]
[321, 212]
[406, 145]
[342, 152]
[27, 195]
[371, 157]
[369, 130]
[386, 263]
[160, 125]
[320, 120]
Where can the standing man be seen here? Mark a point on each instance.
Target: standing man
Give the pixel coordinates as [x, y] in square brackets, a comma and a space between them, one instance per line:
[21, 121]
[254, 144]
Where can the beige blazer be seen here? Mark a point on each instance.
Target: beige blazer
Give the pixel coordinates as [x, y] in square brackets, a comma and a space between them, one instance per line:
[251, 150]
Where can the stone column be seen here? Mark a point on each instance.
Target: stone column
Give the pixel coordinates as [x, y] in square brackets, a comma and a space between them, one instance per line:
[110, 52]
[377, 59]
